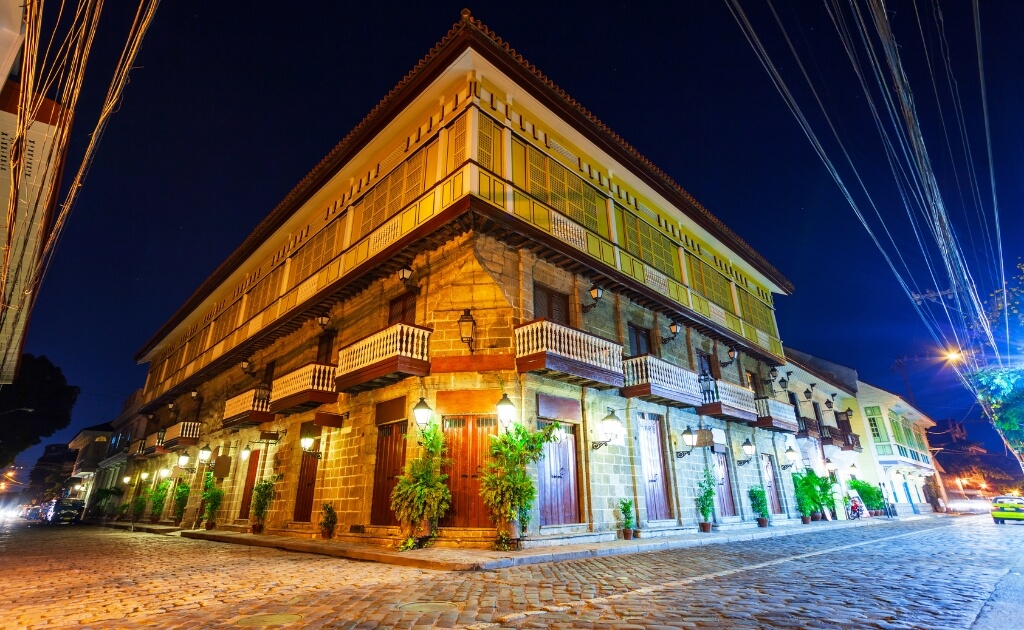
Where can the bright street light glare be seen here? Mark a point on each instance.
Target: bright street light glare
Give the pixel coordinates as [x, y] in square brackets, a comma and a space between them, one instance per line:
[954, 355]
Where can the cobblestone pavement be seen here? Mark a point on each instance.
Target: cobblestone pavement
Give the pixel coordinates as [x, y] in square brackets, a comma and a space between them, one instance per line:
[934, 573]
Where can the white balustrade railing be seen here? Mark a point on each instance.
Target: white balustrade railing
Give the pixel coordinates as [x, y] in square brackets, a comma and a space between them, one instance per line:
[736, 396]
[545, 336]
[400, 340]
[769, 407]
[648, 369]
[182, 430]
[315, 376]
[244, 403]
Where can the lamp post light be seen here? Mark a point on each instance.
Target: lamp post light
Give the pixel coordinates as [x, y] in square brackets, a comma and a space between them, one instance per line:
[610, 428]
[830, 465]
[421, 413]
[791, 456]
[467, 329]
[306, 442]
[506, 412]
[748, 449]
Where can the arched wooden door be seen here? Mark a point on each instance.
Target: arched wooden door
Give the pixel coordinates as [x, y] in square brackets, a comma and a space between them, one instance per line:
[468, 439]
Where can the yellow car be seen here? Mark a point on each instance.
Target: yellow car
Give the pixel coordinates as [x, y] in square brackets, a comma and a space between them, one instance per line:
[1007, 507]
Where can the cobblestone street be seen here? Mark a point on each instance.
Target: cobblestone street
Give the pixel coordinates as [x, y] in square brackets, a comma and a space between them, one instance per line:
[933, 573]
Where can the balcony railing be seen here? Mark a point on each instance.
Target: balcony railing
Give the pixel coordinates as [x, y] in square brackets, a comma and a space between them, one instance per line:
[135, 448]
[566, 354]
[182, 434]
[660, 382]
[248, 409]
[775, 415]
[383, 358]
[153, 444]
[727, 401]
[852, 442]
[307, 387]
[832, 436]
[808, 427]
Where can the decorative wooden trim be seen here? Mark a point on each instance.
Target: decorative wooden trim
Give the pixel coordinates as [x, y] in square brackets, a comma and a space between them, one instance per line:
[391, 410]
[467, 401]
[473, 363]
[329, 420]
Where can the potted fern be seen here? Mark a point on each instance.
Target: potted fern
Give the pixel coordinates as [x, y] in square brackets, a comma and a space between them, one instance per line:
[212, 498]
[139, 505]
[421, 497]
[706, 500]
[328, 521]
[262, 495]
[759, 504]
[506, 487]
[626, 508]
[157, 500]
[806, 496]
[181, 492]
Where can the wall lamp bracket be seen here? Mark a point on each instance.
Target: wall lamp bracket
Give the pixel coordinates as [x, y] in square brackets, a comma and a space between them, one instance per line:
[595, 292]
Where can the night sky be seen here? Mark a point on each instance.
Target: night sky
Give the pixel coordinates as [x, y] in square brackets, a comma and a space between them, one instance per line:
[227, 110]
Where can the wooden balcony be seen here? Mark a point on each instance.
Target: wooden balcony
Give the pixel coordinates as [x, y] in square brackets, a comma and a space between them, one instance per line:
[807, 428]
[383, 358]
[566, 354]
[661, 382]
[248, 409]
[832, 436]
[182, 434]
[134, 449]
[728, 401]
[307, 387]
[153, 444]
[852, 442]
[775, 415]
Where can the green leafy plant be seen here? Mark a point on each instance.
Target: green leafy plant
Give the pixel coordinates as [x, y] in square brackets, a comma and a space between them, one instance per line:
[706, 495]
[505, 543]
[506, 487]
[158, 498]
[420, 493]
[626, 507]
[122, 510]
[139, 504]
[758, 501]
[409, 543]
[212, 496]
[328, 520]
[869, 493]
[181, 492]
[807, 489]
[103, 502]
[262, 495]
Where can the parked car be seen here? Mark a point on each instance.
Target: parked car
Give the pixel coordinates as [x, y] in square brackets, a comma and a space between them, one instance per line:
[30, 513]
[1007, 507]
[62, 511]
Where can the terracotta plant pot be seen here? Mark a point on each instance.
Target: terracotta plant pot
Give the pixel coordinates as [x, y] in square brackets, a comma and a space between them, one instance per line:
[627, 534]
[257, 528]
[762, 522]
[154, 519]
[326, 533]
[815, 516]
[705, 528]
[636, 533]
[210, 525]
[509, 527]
[806, 520]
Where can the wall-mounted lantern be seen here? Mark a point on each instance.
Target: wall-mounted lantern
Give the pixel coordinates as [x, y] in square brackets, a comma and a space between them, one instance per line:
[421, 413]
[792, 456]
[610, 428]
[748, 449]
[672, 328]
[506, 412]
[595, 292]
[467, 329]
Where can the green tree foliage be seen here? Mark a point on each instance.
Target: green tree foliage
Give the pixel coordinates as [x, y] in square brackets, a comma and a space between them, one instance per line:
[869, 493]
[1001, 389]
[420, 492]
[506, 487]
[40, 385]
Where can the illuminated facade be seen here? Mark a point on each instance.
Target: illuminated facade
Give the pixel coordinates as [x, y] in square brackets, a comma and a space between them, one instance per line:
[479, 234]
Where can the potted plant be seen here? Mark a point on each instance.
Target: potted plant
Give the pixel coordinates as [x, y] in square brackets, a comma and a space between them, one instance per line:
[420, 496]
[122, 511]
[262, 495]
[328, 521]
[806, 496]
[181, 492]
[759, 504]
[157, 500]
[706, 499]
[626, 507]
[139, 505]
[506, 487]
[212, 497]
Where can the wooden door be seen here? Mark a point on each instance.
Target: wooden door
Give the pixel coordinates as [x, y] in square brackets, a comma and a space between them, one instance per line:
[250, 481]
[557, 487]
[653, 465]
[307, 484]
[723, 496]
[468, 439]
[769, 484]
[390, 462]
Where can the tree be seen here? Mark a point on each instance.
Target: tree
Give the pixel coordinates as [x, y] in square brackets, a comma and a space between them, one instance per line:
[1001, 389]
[40, 386]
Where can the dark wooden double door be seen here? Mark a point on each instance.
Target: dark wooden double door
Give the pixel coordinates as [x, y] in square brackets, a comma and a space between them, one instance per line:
[468, 438]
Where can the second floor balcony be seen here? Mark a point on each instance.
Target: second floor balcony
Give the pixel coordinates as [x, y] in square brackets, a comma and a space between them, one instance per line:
[309, 386]
[134, 449]
[833, 436]
[153, 444]
[567, 354]
[775, 415]
[727, 401]
[84, 467]
[661, 382]
[249, 408]
[181, 434]
[383, 358]
[807, 427]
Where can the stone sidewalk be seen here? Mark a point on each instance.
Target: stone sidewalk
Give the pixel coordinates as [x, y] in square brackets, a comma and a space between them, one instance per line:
[456, 559]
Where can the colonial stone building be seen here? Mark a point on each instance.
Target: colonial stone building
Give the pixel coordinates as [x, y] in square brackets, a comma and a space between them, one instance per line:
[479, 234]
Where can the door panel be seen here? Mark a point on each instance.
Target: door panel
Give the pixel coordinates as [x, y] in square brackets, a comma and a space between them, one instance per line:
[250, 481]
[307, 484]
[723, 496]
[769, 484]
[557, 486]
[468, 439]
[653, 464]
[390, 462]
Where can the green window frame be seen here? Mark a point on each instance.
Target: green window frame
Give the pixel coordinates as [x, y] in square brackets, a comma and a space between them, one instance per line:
[709, 283]
[756, 312]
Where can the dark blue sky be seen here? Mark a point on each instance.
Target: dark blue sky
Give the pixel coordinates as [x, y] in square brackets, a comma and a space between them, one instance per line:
[227, 110]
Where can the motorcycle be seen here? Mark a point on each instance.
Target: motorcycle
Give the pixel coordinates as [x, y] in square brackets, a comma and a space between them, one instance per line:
[856, 510]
